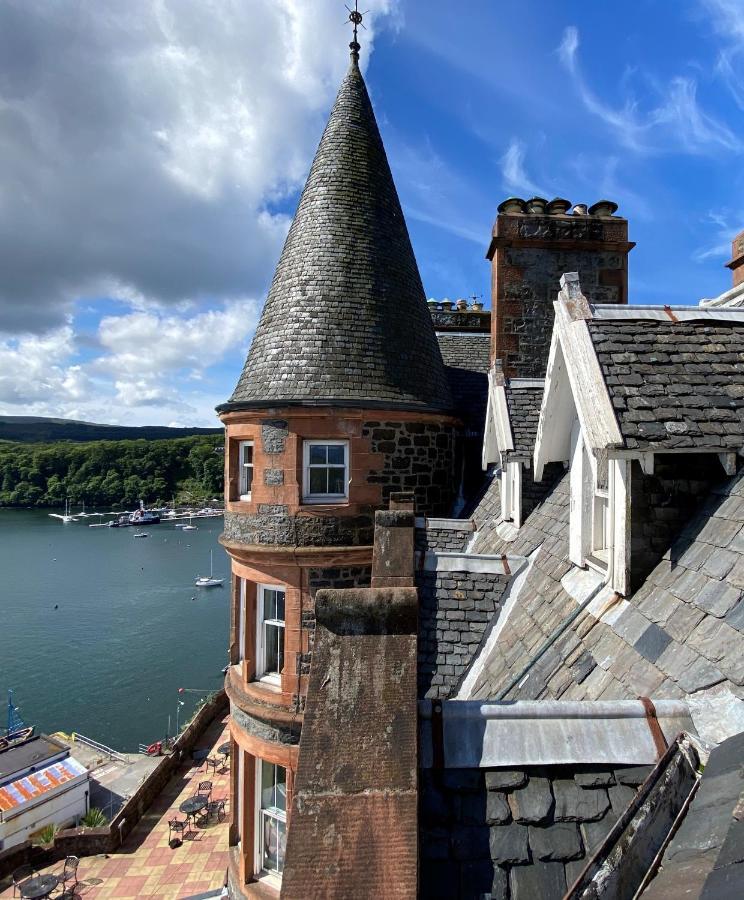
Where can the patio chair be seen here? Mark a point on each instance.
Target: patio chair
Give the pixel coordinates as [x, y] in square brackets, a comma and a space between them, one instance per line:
[213, 762]
[21, 874]
[69, 873]
[216, 807]
[179, 827]
[204, 789]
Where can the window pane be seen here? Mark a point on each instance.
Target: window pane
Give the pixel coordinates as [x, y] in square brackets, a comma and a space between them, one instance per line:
[274, 649]
[317, 454]
[318, 481]
[279, 605]
[336, 481]
[247, 479]
[336, 454]
[281, 788]
[268, 771]
[274, 843]
[247, 453]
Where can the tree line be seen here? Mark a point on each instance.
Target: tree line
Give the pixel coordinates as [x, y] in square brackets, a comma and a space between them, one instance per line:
[111, 473]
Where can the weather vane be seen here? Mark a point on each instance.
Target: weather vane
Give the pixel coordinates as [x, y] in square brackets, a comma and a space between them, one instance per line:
[355, 17]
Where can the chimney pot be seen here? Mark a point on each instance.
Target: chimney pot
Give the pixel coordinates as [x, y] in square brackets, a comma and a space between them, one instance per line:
[580, 209]
[462, 304]
[603, 208]
[558, 207]
[511, 205]
[446, 304]
[536, 206]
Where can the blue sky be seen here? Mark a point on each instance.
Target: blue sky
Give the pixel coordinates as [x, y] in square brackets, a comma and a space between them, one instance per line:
[153, 155]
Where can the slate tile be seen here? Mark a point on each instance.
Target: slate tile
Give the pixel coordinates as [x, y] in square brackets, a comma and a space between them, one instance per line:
[497, 809]
[717, 598]
[593, 833]
[500, 884]
[621, 796]
[683, 621]
[508, 844]
[546, 880]
[735, 616]
[575, 804]
[598, 778]
[652, 643]
[719, 563]
[560, 841]
[533, 803]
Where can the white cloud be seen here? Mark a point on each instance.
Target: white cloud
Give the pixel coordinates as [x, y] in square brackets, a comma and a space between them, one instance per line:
[142, 144]
[514, 174]
[726, 17]
[674, 120]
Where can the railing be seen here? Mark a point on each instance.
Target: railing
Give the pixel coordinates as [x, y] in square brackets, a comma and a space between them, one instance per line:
[95, 745]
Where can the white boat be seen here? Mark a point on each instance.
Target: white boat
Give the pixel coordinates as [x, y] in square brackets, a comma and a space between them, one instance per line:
[141, 534]
[189, 527]
[66, 517]
[211, 581]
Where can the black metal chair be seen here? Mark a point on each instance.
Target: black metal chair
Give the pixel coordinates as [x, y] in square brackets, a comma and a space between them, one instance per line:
[69, 873]
[204, 790]
[22, 873]
[213, 762]
[216, 807]
[179, 827]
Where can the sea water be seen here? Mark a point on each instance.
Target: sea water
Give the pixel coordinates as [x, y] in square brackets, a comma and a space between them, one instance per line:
[99, 630]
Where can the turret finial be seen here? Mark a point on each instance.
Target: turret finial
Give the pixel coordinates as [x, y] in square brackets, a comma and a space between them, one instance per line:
[355, 17]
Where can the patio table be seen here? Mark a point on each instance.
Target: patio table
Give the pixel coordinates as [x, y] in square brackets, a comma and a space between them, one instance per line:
[193, 806]
[40, 886]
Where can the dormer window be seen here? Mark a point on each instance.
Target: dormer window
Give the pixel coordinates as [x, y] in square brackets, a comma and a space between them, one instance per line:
[325, 471]
[601, 527]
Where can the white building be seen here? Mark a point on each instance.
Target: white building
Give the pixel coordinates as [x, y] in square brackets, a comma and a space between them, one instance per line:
[40, 784]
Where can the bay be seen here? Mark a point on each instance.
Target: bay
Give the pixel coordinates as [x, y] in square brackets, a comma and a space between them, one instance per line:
[129, 631]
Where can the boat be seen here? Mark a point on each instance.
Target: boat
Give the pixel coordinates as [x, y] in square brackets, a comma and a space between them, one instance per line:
[210, 581]
[66, 517]
[189, 527]
[140, 516]
[16, 731]
[140, 534]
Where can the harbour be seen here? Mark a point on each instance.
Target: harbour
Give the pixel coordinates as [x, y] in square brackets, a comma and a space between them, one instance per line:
[99, 631]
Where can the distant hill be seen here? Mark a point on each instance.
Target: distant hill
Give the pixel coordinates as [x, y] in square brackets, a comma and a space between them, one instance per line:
[34, 429]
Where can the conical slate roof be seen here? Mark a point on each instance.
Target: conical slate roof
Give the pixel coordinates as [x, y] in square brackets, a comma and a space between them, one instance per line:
[346, 321]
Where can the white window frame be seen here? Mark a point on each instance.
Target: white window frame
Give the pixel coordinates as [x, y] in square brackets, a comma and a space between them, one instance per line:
[323, 498]
[261, 673]
[273, 813]
[511, 493]
[242, 609]
[242, 469]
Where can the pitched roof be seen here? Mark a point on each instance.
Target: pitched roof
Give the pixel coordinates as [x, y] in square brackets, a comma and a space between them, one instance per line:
[681, 633]
[42, 781]
[466, 359]
[523, 399]
[346, 320]
[674, 383]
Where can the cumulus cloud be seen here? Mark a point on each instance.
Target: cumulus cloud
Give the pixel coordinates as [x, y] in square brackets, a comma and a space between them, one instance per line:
[674, 120]
[145, 144]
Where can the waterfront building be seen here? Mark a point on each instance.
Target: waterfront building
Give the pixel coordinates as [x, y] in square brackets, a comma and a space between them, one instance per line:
[488, 601]
[41, 783]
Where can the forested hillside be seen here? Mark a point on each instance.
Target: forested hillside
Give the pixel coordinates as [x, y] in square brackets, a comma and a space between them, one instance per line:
[38, 428]
[110, 473]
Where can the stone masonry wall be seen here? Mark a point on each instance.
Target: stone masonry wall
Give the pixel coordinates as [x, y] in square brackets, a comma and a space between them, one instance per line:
[516, 834]
[456, 609]
[273, 524]
[419, 457]
[526, 315]
[663, 503]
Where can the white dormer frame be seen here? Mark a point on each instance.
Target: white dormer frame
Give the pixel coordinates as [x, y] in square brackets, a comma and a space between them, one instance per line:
[578, 425]
[498, 438]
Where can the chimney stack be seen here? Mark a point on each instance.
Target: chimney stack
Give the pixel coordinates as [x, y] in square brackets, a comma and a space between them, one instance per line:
[736, 263]
[533, 243]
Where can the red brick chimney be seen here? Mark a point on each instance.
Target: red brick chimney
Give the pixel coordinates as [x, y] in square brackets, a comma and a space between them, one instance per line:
[736, 263]
[533, 243]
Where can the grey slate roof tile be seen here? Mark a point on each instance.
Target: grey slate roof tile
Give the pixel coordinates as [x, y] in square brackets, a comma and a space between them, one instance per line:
[346, 317]
[523, 404]
[702, 402]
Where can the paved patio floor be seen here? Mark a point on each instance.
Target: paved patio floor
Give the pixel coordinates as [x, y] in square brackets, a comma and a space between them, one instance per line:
[146, 866]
